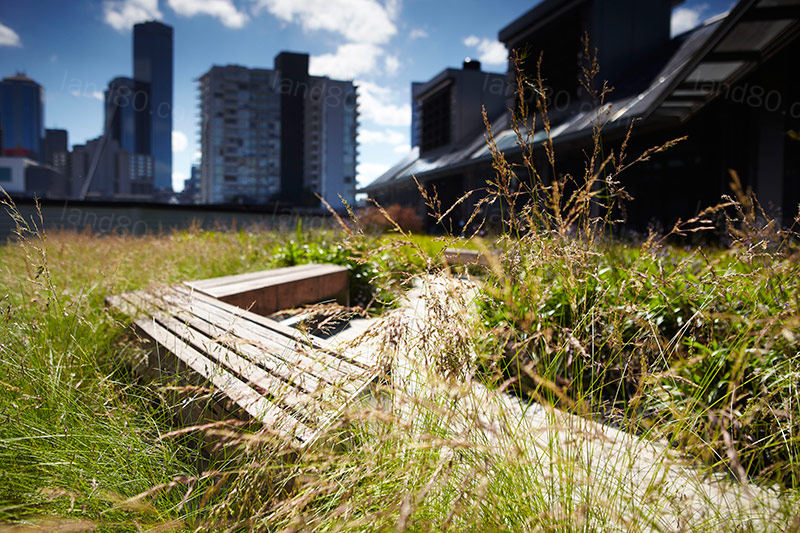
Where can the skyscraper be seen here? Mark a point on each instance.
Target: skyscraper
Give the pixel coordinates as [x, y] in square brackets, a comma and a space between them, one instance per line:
[21, 116]
[293, 69]
[122, 101]
[152, 69]
[240, 137]
[277, 135]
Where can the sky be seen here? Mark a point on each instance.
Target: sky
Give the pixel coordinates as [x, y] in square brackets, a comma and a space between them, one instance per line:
[73, 48]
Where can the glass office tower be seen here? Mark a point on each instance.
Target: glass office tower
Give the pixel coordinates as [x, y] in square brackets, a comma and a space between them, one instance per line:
[21, 116]
[152, 70]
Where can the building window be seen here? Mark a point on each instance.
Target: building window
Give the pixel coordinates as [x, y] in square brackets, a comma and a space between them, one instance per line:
[5, 174]
[436, 120]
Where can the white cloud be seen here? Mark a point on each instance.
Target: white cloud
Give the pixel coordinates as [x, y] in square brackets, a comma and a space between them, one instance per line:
[417, 33]
[366, 136]
[349, 61]
[177, 181]
[179, 141]
[376, 103]
[391, 65]
[402, 149]
[358, 21]
[472, 41]
[123, 14]
[490, 52]
[9, 37]
[86, 93]
[366, 172]
[224, 10]
[686, 18]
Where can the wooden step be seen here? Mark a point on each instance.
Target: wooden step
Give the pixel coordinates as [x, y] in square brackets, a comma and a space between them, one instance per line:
[463, 256]
[294, 384]
[269, 291]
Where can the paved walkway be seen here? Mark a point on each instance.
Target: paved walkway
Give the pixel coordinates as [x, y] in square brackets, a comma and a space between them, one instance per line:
[570, 461]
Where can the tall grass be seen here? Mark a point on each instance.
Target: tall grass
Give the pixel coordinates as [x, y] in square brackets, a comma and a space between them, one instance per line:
[575, 384]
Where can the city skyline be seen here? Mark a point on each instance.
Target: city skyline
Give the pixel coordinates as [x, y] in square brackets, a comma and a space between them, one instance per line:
[382, 46]
[255, 149]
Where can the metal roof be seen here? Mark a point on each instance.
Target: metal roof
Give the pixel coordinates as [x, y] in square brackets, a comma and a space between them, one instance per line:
[704, 61]
[541, 14]
[536, 17]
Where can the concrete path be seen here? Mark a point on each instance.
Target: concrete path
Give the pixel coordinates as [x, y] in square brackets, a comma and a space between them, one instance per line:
[573, 463]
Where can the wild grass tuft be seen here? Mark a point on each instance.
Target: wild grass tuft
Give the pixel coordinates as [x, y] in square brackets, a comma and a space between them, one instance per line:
[576, 383]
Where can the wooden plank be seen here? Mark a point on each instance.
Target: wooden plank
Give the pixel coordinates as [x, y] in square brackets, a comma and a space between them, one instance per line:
[334, 389]
[285, 292]
[309, 273]
[268, 291]
[281, 392]
[323, 361]
[308, 385]
[258, 353]
[238, 278]
[463, 256]
[282, 330]
[245, 397]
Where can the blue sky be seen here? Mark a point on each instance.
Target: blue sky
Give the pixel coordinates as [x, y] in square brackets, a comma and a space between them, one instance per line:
[74, 47]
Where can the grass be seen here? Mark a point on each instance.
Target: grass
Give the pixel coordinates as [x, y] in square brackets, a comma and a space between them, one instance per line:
[581, 384]
[82, 434]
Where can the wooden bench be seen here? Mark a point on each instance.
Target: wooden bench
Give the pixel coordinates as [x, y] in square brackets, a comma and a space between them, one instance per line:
[269, 291]
[292, 383]
[463, 256]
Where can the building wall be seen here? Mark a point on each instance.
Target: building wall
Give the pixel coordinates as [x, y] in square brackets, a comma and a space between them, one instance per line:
[474, 90]
[54, 142]
[330, 141]
[108, 218]
[451, 103]
[115, 173]
[416, 113]
[293, 69]
[12, 174]
[121, 104]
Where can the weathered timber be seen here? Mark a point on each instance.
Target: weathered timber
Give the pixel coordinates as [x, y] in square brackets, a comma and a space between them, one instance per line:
[292, 383]
[462, 256]
[269, 291]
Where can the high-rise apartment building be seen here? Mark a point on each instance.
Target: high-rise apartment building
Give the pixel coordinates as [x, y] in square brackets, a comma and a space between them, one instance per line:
[21, 116]
[240, 135]
[152, 73]
[277, 135]
[329, 155]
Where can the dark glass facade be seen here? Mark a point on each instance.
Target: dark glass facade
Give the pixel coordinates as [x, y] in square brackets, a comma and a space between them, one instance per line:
[152, 71]
[120, 116]
[293, 83]
[22, 116]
